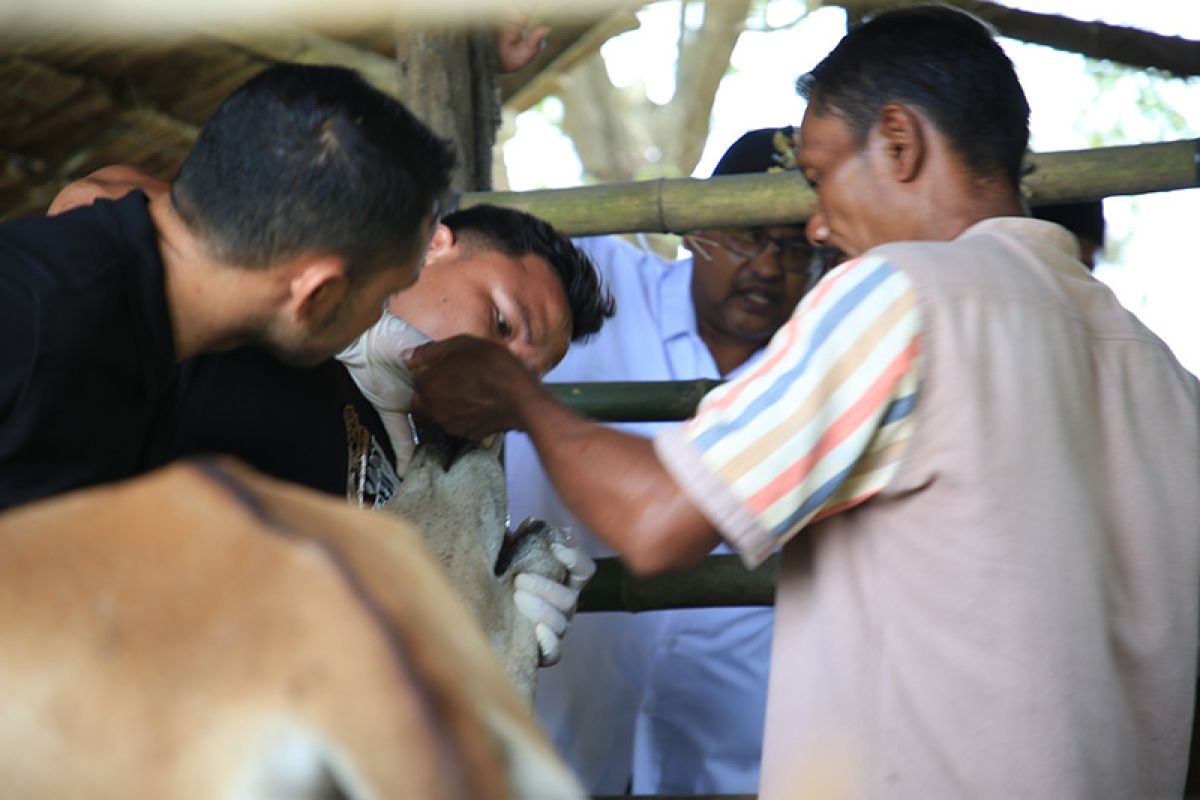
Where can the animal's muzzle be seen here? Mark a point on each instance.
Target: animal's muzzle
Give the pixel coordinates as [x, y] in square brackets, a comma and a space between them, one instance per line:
[440, 446]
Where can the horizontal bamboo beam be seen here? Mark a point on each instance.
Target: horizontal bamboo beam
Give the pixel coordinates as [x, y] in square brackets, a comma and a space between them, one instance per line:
[717, 581]
[1072, 175]
[641, 401]
[666, 205]
[673, 205]
[676, 797]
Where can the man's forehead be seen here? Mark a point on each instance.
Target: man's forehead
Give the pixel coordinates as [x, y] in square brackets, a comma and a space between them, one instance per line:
[819, 131]
[539, 288]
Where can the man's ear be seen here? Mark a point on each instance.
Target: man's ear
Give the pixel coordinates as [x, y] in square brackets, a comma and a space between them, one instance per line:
[903, 137]
[316, 283]
[441, 242]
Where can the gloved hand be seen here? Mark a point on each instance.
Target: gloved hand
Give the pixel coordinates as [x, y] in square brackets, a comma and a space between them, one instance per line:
[551, 605]
[375, 364]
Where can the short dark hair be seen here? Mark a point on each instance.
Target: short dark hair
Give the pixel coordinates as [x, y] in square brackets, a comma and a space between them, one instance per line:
[941, 60]
[312, 158]
[516, 233]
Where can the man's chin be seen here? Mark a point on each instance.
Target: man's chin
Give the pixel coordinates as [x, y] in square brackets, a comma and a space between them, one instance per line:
[302, 357]
[755, 329]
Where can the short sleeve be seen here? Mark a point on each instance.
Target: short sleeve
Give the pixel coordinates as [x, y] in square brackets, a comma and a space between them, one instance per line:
[819, 425]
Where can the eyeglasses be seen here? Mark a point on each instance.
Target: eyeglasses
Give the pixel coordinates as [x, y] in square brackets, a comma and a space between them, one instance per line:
[794, 255]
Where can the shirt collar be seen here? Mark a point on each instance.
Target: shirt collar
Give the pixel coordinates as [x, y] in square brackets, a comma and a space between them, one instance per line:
[675, 289]
[1049, 234]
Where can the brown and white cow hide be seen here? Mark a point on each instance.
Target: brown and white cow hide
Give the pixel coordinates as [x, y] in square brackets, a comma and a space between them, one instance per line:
[206, 632]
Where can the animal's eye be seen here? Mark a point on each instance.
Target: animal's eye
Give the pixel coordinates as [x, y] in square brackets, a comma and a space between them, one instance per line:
[502, 324]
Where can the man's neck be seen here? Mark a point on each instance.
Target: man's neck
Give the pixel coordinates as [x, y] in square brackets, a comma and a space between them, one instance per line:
[207, 300]
[957, 200]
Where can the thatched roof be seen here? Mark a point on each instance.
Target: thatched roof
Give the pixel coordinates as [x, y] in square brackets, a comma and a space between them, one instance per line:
[69, 106]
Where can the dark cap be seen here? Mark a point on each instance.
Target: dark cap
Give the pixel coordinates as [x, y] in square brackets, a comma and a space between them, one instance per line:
[1084, 218]
[762, 150]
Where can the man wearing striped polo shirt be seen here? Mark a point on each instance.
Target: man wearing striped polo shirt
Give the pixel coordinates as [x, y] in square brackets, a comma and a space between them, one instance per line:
[982, 470]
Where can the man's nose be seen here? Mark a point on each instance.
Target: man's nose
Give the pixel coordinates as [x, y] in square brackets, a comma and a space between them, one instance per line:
[766, 262]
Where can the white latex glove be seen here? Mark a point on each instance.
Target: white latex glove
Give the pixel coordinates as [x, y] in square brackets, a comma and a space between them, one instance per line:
[551, 605]
[375, 364]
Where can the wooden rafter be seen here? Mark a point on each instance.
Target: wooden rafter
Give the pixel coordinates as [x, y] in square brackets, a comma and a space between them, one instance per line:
[307, 47]
[1130, 46]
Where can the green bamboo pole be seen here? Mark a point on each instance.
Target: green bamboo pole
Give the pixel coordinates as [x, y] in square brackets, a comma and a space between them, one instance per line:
[642, 401]
[676, 797]
[717, 581]
[1072, 175]
[682, 204]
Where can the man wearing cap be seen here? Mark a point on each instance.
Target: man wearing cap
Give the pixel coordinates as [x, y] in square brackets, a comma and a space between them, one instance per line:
[670, 702]
[1084, 219]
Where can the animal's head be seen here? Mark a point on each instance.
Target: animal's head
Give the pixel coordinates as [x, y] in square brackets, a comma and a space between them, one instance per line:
[450, 486]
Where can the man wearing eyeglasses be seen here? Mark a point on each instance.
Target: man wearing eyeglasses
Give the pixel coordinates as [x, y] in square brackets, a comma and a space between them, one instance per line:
[671, 702]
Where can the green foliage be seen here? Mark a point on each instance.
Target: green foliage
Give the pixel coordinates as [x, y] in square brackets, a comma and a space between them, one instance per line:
[1145, 89]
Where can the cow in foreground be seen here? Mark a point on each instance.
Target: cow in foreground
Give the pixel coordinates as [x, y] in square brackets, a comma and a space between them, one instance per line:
[206, 632]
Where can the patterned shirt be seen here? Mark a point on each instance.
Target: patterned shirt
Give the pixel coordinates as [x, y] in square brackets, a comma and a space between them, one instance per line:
[819, 425]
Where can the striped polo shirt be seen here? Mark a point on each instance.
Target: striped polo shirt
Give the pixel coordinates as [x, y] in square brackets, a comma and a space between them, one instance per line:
[819, 425]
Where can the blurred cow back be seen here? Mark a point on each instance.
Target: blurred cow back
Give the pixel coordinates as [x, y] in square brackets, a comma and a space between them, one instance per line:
[206, 632]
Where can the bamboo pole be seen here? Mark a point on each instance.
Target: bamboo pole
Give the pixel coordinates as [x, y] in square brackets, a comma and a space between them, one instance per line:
[676, 797]
[717, 581]
[640, 401]
[681, 204]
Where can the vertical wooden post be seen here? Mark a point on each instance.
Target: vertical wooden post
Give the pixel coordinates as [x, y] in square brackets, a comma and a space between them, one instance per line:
[450, 80]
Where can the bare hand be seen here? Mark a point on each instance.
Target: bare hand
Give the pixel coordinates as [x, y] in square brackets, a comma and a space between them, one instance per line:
[108, 183]
[471, 387]
[517, 44]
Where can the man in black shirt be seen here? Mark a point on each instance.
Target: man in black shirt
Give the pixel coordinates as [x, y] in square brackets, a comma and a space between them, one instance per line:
[494, 273]
[86, 338]
[308, 199]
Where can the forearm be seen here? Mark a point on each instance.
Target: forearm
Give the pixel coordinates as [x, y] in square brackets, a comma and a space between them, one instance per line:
[615, 484]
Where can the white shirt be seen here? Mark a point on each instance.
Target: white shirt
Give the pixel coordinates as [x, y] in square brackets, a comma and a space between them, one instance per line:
[665, 702]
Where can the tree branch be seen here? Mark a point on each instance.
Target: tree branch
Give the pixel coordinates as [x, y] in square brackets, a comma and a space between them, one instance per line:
[1129, 46]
